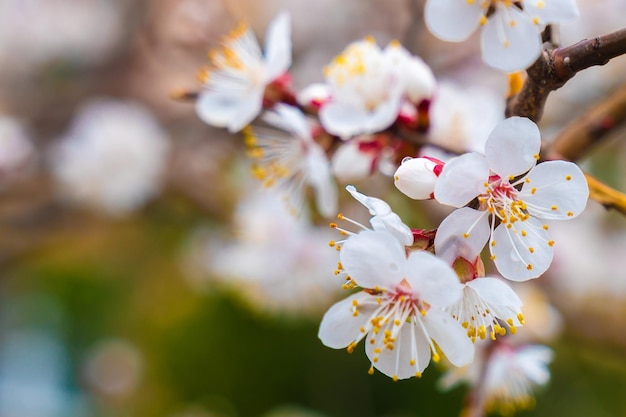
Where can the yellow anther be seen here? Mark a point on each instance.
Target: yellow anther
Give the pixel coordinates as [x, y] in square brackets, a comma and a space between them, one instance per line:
[512, 23]
[531, 249]
[466, 235]
[340, 216]
[554, 208]
[362, 329]
[375, 359]
[493, 243]
[418, 374]
[377, 350]
[520, 317]
[536, 156]
[396, 322]
[355, 313]
[529, 267]
[483, 20]
[550, 242]
[436, 358]
[465, 325]
[533, 190]
[524, 233]
[412, 362]
[545, 227]
[570, 214]
[395, 378]
[331, 243]
[492, 257]
[371, 371]
[370, 39]
[568, 177]
[511, 177]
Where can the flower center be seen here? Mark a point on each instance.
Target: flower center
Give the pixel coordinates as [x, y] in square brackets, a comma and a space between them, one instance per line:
[502, 200]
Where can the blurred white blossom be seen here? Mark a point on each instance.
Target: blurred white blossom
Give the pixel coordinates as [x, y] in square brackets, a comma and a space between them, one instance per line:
[112, 156]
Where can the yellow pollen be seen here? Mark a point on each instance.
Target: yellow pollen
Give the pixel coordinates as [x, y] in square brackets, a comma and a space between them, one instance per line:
[470, 1]
[370, 39]
[545, 227]
[371, 371]
[418, 374]
[331, 243]
[568, 177]
[396, 178]
[531, 249]
[362, 329]
[524, 233]
[535, 20]
[375, 359]
[541, 4]
[533, 190]
[511, 177]
[554, 208]
[529, 267]
[355, 303]
[466, 235]
[493, 257]
[395, 378]
[340, 216]
[512, 23]
[355, 313]
[483, 20]
[520, 317]
[395, 43]
[465, 325]
[493, 243]
[412, 362]
[536, 156]
[550, 242]
[436, 357]
[570, 214]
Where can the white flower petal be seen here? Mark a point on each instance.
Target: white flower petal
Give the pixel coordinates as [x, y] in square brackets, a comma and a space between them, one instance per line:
[321, 179]
[411, 344]
[230, 111]
[433, 280]
[552, 11]
[462, 179]
[340, 327]
[278, 46]
[373, 259]
[495, 292]
[345, 120]
[510, 41]
[452, 20]
[512, 147]
[534, 360]
[376, 206]
[463, 233]
[449, 336]
[522, 251]
[555, 190]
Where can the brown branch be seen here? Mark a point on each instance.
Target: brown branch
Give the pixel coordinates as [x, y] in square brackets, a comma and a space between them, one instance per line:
[587, 130]
[556, 66]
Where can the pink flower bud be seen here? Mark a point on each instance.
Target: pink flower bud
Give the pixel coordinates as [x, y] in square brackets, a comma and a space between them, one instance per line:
[416, 177]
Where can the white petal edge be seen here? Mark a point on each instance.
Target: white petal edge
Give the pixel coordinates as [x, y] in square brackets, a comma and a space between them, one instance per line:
[549, 193]
[512, 147]
[340, 327]
[513, 250]
[510, 47]
[432, 279]
[462, 179]
[450, 240]
[374, 259]
[450, 336]
[452, 20]
[278, 46]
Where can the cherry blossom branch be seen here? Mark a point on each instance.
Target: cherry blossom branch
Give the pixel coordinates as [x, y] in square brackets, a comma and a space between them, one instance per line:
[556, 66]
[587, 130]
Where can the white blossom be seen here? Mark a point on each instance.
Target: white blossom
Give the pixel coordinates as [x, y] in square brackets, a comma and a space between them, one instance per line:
[513, 195]
[400, 312]
[234, 86]
[511, 30]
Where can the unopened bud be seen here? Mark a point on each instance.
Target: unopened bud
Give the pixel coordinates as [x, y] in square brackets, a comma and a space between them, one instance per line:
[416, 177]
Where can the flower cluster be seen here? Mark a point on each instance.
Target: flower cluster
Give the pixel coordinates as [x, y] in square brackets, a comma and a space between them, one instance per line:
[416, 295]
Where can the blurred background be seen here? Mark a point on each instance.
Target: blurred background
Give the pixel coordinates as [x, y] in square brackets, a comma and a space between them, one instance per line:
[143, 274]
